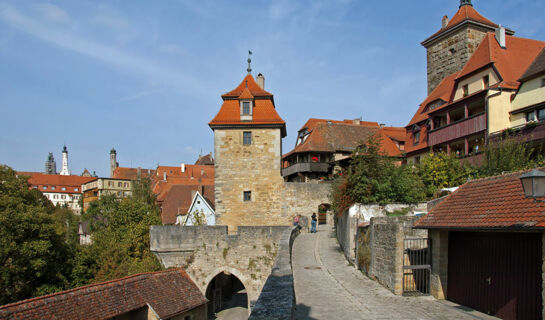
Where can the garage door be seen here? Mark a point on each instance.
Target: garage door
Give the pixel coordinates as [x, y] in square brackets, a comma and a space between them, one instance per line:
[496, 273]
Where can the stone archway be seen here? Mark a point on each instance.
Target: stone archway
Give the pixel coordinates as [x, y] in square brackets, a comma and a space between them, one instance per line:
[323, 209]
[227, 295]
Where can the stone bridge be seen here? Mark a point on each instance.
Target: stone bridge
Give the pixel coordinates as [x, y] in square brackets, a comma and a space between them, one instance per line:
[206, 252]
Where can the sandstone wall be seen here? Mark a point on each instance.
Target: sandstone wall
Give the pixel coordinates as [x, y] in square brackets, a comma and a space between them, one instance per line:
[206, 251]
[387, 235]
[451, 53]
[347, 223]
[303, 198]
[254, 167]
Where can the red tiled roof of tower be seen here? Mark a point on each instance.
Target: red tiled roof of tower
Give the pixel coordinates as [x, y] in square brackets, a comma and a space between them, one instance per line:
[495, 202]
[132, 173]
[178, 200]
[168, 292]
[537, 68]
[70, 183]
[250, 83]
[465, 13]
[511, 61]
[263, 112]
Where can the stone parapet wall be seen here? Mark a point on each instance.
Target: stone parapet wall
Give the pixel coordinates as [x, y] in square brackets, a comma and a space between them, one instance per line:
[206, 251]
[277, 298]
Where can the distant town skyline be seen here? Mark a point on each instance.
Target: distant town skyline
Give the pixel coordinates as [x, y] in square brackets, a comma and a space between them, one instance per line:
[146, 78]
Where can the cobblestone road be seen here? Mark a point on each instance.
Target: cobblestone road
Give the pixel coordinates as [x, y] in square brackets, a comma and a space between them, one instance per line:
[326, 287]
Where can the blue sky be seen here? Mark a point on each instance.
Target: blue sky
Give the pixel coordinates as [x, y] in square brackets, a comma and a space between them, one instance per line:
[145, 77]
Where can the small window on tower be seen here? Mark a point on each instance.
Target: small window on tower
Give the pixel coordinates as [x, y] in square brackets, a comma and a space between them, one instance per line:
[247, 137]
[246, 108]
[247, 195]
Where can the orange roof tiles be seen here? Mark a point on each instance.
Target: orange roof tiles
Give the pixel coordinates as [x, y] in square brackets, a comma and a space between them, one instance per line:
[69, 183]
[179, 198]
[263, 112]
[490, 203]
[464, 14]
[168, 292]
[132, 173]
[511, 62]
[250, 83]
[345, 136]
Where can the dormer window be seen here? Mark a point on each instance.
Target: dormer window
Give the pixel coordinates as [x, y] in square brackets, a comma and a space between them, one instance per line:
[246, 110]
[465, 90]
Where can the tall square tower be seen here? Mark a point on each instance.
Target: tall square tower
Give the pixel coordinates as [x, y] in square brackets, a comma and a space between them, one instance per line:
[248, 136]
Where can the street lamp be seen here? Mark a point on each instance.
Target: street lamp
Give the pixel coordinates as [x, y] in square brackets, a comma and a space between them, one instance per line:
[533, 184]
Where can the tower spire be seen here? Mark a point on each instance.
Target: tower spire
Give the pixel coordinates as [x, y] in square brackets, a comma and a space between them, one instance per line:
[64, 170]
[465, 2]
[249, 62]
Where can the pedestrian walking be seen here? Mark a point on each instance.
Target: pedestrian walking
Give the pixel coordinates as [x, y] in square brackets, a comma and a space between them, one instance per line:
[296, 221]
[314, 220]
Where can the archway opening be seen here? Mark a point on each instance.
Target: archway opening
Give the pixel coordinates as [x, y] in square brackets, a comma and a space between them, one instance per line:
[322, 212]
[227, 297]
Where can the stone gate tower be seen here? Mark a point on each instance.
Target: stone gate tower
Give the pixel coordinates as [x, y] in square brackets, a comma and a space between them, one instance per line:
[248, 136]
[450, 48]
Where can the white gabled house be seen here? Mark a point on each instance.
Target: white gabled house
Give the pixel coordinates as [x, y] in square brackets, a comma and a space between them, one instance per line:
[200, 212]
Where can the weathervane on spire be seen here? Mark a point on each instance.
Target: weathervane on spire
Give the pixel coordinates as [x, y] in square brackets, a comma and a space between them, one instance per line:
[249, 62]
[465, 2]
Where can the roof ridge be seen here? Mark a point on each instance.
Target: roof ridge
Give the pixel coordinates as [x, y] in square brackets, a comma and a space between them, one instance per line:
[143, 275]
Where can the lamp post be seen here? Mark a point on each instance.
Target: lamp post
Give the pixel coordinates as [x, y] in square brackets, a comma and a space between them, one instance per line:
[533, 184]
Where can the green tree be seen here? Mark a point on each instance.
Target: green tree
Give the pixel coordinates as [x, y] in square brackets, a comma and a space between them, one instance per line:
[509, 154]
[120, 233]
[373, 178]
[441, 170]
[35, 251]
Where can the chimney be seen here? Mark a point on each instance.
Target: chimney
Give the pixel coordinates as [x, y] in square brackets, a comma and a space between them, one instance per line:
[356, 121]
[500, 36]
[261, 81]
[444, 22]
[165, 176]
[183, 167]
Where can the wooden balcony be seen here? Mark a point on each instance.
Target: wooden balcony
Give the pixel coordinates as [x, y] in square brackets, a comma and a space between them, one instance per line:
[458, 129]
[305, 167]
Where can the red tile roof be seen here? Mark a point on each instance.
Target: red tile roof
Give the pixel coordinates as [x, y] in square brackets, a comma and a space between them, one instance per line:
[168, 292]
[537, 67]
[464, 14]
[250, 83]
[344, 136]
[205, 160]
[179, 197]
[132, 173]
[490, 203]
[70, 183]
[264, 112]
[510, 62]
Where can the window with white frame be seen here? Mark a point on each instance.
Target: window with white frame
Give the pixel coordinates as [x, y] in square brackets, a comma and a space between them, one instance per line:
[245, 108]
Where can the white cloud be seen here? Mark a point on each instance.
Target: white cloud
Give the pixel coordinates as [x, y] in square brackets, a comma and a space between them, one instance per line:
[107, 54]
[52, 13]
